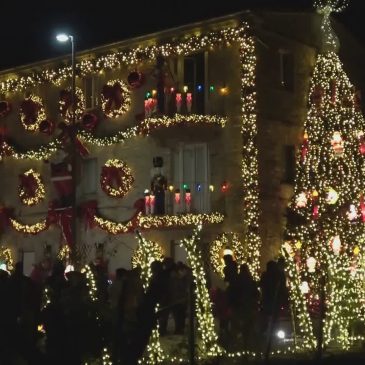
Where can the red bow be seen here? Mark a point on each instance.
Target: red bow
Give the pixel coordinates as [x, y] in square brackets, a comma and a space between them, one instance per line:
[113, 95]
[30, 109]
[29, 184]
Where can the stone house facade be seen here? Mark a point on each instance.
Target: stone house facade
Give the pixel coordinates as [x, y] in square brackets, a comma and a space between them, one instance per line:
[221, 103]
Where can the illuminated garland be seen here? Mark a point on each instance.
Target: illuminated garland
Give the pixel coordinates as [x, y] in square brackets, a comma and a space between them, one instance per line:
[90, 282]
[127, 57]
[65, 104]
[203, 305]
[225, 241]
[149, 251]
[7, 257]
[152, 222]
[182, 220]
[250, 184]
[150, 124]
[38, 116]
[116, 170]
[40, 153]
[113, 227]
[39, 193]
[115, 99]
[29, 228]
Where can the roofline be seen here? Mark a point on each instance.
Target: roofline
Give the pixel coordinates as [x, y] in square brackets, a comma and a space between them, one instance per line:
[168, 33]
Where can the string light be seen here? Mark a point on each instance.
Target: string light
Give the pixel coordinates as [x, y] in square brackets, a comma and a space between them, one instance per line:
[150, 124]
[153, 222]
[7, 257]
[146, 253]
[154, 252]
[90, 282]
[29, 228]
[203, 305]
[39, 192]
[334, 172]
[39, 113]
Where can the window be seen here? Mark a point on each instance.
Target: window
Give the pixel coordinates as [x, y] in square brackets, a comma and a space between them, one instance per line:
[89, 88]
[289, 164]
[89, 176]
[286, 69]
[194, 78]
[191, 171]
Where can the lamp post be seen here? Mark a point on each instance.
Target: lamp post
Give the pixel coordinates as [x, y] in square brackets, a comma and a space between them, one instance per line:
[65, 38]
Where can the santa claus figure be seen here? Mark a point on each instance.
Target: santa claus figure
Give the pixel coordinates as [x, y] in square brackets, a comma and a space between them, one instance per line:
[61, 177]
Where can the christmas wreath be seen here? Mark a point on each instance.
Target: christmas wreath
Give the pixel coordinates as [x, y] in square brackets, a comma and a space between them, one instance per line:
[32, 112]
[65, 104]
[115, 98]
[116, 172]
[31, 188]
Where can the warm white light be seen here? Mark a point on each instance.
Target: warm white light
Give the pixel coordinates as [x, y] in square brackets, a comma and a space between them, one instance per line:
[281, 334]
[62, 37]
[227, 252]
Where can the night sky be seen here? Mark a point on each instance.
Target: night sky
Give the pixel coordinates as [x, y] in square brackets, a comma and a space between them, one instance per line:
[27, 30]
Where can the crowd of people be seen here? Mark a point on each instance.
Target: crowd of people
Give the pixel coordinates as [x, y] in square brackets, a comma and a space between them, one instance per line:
[53, 319]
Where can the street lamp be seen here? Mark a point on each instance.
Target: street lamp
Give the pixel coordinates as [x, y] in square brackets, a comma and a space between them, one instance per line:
[63, 37]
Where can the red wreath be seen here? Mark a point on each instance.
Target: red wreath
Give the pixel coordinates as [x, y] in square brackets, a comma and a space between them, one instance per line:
[32, 112]
[115, 99]
[31, 188]
[5, 108]
[116, 173]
